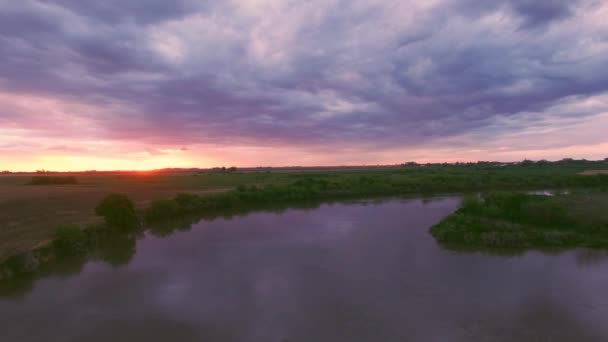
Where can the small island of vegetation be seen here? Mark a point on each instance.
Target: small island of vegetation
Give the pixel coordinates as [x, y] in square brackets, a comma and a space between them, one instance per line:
[523, 220]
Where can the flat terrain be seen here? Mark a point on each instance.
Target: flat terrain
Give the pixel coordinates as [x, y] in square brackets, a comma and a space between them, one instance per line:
[30, 213]
[594, 172]
[520, 220]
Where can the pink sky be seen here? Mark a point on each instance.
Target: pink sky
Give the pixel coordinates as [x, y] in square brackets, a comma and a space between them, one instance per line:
[146, 85]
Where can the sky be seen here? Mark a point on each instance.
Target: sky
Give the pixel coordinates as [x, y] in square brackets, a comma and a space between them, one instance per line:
[145, 84]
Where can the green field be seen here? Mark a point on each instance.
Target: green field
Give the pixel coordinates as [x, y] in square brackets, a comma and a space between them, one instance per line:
[515, 220]
[30, 213]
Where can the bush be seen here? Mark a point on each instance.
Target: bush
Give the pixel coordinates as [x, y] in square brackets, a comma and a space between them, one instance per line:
[69, 240]
[48, 180]
[188, 202]
[118, 211]
[472, 204]
[21, 263]
[161, 209]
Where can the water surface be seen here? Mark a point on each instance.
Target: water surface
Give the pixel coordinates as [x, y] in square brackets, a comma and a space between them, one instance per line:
[365, 271]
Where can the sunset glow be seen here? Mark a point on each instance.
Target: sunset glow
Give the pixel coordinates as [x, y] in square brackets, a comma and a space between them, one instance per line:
[144, 85]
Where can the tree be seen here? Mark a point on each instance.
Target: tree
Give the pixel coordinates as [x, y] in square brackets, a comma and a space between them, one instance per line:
[118, 211]
[161, 210]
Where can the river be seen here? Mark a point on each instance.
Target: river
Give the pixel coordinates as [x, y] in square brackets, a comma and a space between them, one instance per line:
[359, 271]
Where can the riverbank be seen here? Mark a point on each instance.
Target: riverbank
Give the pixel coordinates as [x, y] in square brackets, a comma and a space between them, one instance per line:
[511, 220]
[29, 214]
[161, 199]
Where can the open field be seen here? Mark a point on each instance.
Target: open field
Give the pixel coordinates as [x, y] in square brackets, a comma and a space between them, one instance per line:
[29, 213]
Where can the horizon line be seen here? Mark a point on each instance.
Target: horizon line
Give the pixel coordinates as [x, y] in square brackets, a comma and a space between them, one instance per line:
[43, 171]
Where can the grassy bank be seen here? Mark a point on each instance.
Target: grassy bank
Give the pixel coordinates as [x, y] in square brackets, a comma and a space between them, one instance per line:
[520, 220]
[72, 246]
[28, 214]
[499, 220]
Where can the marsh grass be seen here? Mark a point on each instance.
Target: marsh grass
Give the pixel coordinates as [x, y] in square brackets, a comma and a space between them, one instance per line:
[520, 220]
[29, 214]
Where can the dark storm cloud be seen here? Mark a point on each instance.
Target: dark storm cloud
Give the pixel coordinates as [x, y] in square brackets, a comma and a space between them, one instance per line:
[274, 72]
[532, 13]
[541, 13]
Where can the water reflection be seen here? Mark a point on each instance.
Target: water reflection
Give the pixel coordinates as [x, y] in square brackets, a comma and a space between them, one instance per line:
[341, 272]
[61, 268]
[115, 250]
[118, 248]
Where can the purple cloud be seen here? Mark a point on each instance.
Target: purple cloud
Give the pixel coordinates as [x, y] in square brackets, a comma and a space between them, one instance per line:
[374, 74]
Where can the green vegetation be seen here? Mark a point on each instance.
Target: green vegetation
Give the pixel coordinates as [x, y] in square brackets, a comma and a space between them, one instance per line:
[51, 180]
[28, 215]
[162, 209]
[69, 240]
[118, 211]
[112, 242]
[519, 220]
[169, 202]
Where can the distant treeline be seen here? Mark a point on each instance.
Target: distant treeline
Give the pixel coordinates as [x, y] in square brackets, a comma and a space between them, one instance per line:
[570, 162]
[52, 180]
[525, 163]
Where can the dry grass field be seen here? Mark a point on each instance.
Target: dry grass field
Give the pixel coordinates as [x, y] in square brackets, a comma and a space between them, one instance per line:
[28, 213]
[594, 172]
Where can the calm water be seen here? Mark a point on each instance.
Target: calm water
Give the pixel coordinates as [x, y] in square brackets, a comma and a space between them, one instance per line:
[342, 272]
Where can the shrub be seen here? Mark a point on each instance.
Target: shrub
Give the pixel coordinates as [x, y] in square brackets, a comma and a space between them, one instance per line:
[188, 202]
[22, 263]
[472, 204]
[118, 211]
[48, 180]
[69, 240]
[161, 209]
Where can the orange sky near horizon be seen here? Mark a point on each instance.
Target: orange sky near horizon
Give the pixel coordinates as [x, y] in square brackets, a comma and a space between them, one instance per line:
[142, 85]
[254, 157]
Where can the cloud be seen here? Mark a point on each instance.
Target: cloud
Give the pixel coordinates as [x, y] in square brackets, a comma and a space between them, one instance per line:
[542, 13]
[373, 75]
[530, 13]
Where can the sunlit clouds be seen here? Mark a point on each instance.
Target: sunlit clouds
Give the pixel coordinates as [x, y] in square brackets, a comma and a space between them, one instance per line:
[152, 84]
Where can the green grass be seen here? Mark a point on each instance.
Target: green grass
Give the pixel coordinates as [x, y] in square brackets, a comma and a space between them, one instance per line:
[519, 220]
[70, 240]
[28, 214]
[170, 202]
